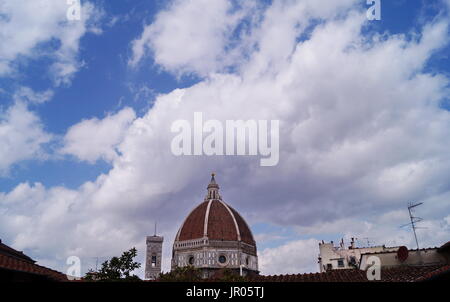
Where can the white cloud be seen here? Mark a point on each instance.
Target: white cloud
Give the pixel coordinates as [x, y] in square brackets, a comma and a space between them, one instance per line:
[25, 29]
[27, 94]
[447, 219]
[389, 228]
[362, 132]
[22, 136]
[216, 35]
[202, 29]
[299, 256]
[64, 220]
[95, 139]
[268, 237]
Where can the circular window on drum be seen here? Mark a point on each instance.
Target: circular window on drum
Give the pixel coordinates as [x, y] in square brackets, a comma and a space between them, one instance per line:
[191, 260]
[222, 259]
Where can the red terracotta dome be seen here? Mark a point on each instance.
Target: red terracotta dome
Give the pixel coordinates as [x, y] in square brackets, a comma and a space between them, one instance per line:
[215, 220]
[214, 236]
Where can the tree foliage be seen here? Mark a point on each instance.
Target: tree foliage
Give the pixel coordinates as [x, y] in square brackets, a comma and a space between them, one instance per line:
[192, 274]
[228, 275]
[182, 274]
[117, 268]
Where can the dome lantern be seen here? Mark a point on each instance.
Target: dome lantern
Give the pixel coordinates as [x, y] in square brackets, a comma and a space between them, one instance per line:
[213, 189]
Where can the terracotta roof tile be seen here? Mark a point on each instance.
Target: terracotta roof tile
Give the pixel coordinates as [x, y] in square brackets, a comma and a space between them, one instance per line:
[13, 260]
[394, 274]
[9, 251]
[194, 223]
[221, 225]
[15, 264]
[246, 234]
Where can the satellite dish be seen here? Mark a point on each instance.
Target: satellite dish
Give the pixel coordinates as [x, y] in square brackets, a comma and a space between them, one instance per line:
[402, 253]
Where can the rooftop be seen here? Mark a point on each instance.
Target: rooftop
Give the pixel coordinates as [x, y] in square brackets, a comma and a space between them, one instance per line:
[394, 274]
[16, 261]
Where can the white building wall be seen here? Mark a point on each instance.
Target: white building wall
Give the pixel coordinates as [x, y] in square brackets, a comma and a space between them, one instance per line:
[422, 257]
[332, 257]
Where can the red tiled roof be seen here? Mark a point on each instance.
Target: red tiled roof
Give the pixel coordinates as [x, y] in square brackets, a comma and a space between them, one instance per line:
[445, 248]
[394, 274]
[6, 250]
[432, 274]
[221, 224]
[13, 260]
[14, 264]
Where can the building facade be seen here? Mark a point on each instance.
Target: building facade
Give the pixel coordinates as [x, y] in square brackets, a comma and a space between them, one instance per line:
[403, 257]
[215, 236]
[333, 257]
[15, 266]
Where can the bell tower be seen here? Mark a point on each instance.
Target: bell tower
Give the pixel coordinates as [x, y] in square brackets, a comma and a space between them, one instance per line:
[153, 256]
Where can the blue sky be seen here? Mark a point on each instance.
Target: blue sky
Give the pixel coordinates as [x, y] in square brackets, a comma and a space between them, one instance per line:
[105, 83]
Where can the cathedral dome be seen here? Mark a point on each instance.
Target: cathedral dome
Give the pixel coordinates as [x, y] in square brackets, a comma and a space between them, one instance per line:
[215, 220]
[214, 236]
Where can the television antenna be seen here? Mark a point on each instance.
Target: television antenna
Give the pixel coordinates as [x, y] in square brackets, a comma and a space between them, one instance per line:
[368, 241]
[414, 220]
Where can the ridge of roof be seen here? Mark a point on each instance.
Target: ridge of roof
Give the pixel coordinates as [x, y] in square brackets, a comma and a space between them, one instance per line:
[9, 251]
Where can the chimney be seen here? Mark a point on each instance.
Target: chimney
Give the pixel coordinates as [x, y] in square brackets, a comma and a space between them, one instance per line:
[352, 243]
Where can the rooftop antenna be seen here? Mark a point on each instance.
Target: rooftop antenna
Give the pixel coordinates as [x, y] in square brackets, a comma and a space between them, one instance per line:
[155, 229]
[414, 220]
[368, 241]
[97, 258]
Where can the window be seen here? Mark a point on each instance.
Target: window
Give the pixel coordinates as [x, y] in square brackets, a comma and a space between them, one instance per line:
[191, 260]
[329, 266]
[341, 262]
[247, 260]
[222, 259]
[153, 261]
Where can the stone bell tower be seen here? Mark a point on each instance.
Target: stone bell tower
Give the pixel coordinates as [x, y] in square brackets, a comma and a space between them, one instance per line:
[153, 257]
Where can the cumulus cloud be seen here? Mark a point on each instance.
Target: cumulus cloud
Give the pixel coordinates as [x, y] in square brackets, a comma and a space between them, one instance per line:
[221, 35]
[28, 30]
[27, 94]
[94, 139]
[299, 256]
[63, 219]
[362, 131]
[22, 136]
[389, 228]
[202, 29]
